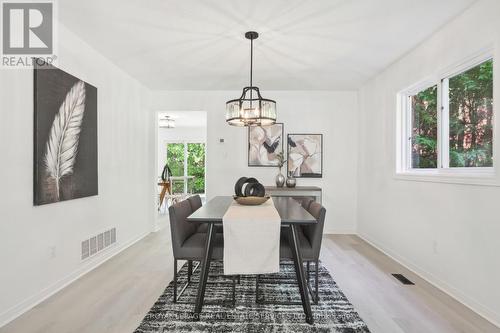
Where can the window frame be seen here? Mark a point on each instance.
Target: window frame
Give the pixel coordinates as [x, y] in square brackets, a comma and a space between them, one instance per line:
[443, 173]
[185, 164]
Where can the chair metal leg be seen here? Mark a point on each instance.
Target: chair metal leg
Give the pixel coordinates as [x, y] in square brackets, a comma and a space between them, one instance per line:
[178, 294]
[257, 289]
[316, 283]
[190, 270]
[234, 291]
[308, 272]
[175, 280]
[299, 269]
[312, 288]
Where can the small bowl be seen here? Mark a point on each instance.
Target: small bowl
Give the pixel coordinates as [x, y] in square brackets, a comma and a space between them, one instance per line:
[251, 201]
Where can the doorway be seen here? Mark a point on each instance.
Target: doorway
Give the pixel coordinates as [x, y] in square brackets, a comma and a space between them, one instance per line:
[181, 157]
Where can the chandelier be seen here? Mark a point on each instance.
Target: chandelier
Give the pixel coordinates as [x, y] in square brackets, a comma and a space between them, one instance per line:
[167, 122]
[251, 109]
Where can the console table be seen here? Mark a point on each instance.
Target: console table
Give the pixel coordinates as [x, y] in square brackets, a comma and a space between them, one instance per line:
[298, 192]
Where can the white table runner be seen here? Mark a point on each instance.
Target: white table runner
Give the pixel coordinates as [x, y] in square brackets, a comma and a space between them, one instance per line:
[251, 239]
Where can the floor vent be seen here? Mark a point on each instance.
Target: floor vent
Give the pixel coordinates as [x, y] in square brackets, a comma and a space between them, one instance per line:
[401, 278]
[96, 244]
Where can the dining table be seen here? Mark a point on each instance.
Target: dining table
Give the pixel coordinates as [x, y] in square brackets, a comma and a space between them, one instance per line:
[292, 215]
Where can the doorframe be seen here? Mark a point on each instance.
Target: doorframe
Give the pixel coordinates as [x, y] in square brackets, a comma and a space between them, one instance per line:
[161, 221]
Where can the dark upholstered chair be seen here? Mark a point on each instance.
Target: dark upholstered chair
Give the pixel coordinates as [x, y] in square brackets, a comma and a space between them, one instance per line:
[310, 237]
[306, 202]
[187, 243]
[310, 242]
[195, 202]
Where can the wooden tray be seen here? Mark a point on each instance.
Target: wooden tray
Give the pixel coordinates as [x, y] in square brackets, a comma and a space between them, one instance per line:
[251, 201]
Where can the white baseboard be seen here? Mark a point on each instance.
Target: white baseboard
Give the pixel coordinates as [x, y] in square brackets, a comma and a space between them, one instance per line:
[30, 302]
[339, 232]
[470, 303]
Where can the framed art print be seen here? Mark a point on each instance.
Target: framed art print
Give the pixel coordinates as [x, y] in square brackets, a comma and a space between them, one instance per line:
[264, 144]
[305, 155]
[65, 136]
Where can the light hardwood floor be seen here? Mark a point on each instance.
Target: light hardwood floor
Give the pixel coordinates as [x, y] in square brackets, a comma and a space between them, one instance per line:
[117, 295]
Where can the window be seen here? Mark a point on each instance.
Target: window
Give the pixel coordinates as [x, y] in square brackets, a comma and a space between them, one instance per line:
[187, 160]
[470, 96]
[196, 165]
[447, 125]
[424, 129]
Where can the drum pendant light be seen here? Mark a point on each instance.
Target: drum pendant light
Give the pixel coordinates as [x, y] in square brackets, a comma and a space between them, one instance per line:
[251, 109]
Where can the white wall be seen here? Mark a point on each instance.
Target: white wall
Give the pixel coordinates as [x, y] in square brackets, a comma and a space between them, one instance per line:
[447, 233]
[180, 134]
[27, 272]
[334, 114]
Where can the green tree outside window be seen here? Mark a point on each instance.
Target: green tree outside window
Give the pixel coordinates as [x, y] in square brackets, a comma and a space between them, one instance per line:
[470, 108]
[471, 117]
[424, 128]
[195, 165]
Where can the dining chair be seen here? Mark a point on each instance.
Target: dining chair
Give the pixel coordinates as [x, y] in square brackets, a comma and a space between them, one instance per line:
[314, 235]
[188, 244]
[306, 202]
[195, 202]
[310, 238]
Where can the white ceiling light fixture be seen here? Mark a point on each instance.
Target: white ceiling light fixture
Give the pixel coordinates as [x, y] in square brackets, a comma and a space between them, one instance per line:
[251, 109]
[166, 122]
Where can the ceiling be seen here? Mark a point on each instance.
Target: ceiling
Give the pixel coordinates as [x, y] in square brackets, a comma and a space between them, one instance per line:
[186, 118]
[303, 44]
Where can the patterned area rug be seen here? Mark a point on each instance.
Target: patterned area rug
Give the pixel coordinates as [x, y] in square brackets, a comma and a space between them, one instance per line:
[334, 313]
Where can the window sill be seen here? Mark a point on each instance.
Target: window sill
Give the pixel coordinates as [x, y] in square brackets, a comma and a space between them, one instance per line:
[486, 177]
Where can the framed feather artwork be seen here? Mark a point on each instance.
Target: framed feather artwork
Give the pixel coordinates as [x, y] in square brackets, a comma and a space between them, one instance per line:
[65, 136]
[264, 144]
[305, 155]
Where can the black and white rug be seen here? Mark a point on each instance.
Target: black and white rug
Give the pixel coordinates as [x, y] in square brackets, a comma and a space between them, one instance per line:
[334, 313]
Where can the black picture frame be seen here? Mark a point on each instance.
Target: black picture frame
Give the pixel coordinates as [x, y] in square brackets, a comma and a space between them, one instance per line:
[290, 140]
[249, 146]
[51, 88]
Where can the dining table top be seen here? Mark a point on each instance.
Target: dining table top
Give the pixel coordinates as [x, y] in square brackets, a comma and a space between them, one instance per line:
[289, 209]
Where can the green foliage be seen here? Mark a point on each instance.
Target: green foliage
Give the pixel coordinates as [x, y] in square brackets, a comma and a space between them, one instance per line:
[470, 118]
[471, 115]
[424, 131]
[195, 165]
[175, 160]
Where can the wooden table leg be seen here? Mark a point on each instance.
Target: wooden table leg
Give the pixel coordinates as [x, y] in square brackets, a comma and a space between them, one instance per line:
[205, 267]
[162, 195]
[165, 187]
[299, 269]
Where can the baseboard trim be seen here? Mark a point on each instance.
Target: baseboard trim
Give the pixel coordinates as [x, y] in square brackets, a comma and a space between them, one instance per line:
[29, 303]
[473, 305]
[339, 232]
